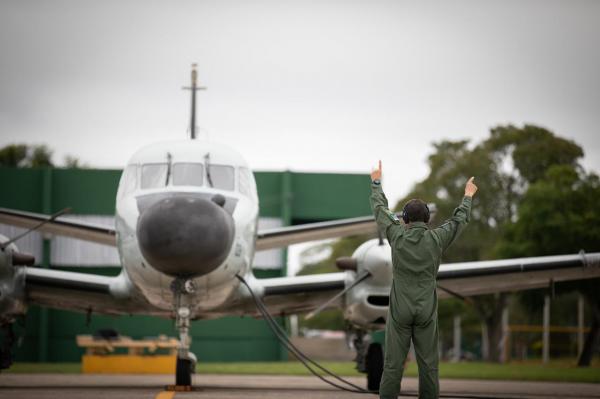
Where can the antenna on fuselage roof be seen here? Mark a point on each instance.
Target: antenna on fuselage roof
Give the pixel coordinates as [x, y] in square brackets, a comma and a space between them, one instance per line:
[194, 88]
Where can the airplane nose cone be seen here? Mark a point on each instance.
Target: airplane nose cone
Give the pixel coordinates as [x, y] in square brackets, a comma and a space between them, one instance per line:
[185, 237]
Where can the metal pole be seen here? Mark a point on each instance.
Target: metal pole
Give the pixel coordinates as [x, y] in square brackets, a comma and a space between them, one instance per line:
[43, 330]
[193, 88]
[485, 342]
[457, 340]
[580, 324]
[546, 333]
[286, 218]
[193, 112]
[505, 335]
[293, 325]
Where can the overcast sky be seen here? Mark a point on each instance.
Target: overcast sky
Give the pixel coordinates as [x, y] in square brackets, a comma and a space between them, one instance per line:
[303, 85]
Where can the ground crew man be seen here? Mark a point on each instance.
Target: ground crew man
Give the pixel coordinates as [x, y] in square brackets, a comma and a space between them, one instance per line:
[412, 314]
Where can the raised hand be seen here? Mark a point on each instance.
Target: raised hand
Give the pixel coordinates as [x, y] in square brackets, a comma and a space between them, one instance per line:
[470, 188]
[376, 173]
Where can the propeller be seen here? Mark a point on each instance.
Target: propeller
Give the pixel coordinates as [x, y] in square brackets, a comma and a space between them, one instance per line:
[358, 280]
[368, 270]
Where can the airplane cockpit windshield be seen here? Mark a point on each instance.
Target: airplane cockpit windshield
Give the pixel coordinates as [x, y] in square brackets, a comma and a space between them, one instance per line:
[156, 175]
[222, 177]
[188, 174]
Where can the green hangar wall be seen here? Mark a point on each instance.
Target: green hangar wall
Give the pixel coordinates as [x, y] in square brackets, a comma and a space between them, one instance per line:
[286, 197]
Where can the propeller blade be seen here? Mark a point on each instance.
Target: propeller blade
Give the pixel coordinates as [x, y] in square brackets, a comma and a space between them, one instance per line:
[318, 310]
[50, 219]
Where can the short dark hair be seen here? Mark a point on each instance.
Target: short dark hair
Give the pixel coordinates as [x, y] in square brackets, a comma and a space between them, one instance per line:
[415, 210]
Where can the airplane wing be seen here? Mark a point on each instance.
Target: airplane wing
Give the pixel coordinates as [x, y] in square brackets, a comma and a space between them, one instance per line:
[284, 236]
[59, 226]
[75, 291]
[82, 292]
[486, 277]
[288, 235]
[289, 295]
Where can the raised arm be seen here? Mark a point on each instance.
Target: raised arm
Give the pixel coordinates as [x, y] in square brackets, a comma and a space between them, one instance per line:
[451, 229]
[387, 221]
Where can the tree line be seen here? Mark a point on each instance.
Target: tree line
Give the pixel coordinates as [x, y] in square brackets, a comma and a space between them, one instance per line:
[33, 156]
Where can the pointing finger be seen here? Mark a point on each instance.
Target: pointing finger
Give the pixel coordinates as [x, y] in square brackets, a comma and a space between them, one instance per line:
[471, 179]
[380, 164]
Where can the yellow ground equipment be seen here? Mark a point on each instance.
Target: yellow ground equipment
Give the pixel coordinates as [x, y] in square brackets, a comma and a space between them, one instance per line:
[141, 357]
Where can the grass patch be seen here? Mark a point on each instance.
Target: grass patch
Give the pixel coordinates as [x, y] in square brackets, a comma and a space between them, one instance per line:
[561, 371]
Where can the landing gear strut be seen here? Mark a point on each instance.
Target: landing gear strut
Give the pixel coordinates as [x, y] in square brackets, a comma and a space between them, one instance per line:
[369, 359]
[186, 361]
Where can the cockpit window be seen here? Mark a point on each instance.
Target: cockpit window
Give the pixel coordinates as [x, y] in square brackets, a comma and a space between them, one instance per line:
[128, 182]
[222, 177]
[188, 174]
[154, 175]
[246, 183]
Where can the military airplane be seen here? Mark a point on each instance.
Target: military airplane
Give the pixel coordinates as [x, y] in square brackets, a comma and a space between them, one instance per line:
[186, 233]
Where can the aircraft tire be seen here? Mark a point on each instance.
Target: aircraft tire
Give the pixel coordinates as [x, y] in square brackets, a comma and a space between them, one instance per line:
[183, 372]
[374, 366]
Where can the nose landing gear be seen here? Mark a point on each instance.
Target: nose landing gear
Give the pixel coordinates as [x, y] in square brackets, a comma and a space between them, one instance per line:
[186, 360]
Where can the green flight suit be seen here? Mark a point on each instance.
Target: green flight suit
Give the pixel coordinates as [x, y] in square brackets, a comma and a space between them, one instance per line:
[416, 255]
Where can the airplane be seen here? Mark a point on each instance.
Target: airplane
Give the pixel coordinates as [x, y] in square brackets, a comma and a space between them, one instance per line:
[186, 230]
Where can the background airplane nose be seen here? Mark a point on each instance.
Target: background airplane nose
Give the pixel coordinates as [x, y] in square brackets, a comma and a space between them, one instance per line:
[185, 237]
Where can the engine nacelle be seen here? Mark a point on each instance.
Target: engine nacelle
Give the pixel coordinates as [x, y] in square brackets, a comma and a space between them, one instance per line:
[12, 284]
[366, 305]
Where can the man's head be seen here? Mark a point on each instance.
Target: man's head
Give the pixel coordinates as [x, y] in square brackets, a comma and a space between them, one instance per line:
[415, 210]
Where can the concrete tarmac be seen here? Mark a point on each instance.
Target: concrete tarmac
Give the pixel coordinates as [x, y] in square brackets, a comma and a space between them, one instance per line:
[101, 386]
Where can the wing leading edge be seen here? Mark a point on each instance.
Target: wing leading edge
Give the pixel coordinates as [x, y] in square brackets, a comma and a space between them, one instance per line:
[284, 236]
[486, 277]
[60, 226]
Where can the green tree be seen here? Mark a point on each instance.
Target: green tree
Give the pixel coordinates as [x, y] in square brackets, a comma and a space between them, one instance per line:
[72, 162]
[505, 165]
[25, 156]
[560, 214]
[33, 156]
[13, 155]
[41, 156]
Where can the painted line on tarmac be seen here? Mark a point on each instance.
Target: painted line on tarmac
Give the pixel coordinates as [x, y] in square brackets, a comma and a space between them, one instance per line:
[165, 395]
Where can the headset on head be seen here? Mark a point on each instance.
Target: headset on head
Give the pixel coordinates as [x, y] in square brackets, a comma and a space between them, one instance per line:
[405, 214]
